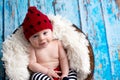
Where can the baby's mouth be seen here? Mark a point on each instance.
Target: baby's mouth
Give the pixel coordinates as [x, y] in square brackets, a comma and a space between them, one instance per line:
[43, 44]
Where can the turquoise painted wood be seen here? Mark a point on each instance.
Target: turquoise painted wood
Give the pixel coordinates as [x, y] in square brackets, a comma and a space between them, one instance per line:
[98, 19]
[14, 12]
[112, 23]
[1, 40]
[68, 9]
[95, 29]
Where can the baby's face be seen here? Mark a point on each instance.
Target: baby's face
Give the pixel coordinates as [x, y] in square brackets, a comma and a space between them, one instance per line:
[41, 39]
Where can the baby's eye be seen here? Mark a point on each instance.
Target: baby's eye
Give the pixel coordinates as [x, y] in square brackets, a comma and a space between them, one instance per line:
[35, 36]
[44, 33]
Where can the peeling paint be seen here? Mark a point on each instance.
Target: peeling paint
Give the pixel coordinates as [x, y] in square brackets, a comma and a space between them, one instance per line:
[100, 66]
[118, 15]
[119, 52]
[13, 14]
[54, 2]
[118, 2]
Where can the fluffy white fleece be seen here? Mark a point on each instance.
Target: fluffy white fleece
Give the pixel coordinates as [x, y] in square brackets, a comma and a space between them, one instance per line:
[15, 54]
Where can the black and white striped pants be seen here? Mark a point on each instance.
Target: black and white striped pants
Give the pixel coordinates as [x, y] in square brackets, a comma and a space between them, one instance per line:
[40, 76]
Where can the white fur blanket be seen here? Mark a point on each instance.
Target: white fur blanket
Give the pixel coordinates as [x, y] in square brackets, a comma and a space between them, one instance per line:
[15, 54]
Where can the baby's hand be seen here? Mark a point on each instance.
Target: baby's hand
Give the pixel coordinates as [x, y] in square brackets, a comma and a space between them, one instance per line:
[52, 73]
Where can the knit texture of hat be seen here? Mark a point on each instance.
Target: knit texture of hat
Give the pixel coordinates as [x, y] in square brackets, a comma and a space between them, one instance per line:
[34, 22]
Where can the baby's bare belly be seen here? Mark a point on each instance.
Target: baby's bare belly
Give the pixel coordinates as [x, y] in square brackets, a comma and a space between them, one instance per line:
[50, 64]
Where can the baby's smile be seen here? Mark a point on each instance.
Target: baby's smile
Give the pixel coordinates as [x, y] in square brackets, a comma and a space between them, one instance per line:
[43, 44]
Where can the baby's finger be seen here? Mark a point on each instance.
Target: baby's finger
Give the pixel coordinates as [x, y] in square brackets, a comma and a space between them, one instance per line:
[58, 71]
[56, 75]
[51, 78]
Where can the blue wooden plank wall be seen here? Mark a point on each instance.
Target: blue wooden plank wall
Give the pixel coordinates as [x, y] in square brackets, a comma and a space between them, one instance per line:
[99, 20]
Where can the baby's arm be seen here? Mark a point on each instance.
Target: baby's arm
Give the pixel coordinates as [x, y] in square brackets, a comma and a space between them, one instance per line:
[33, 65]
[63, 61]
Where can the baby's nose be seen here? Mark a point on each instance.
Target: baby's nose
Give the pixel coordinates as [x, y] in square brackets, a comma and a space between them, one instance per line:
[41, 37]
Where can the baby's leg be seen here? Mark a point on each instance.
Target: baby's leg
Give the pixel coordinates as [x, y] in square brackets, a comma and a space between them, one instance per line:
[72, 75]
[40, 76]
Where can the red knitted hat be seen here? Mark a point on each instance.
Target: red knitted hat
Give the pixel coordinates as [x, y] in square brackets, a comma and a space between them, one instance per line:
[34, 22]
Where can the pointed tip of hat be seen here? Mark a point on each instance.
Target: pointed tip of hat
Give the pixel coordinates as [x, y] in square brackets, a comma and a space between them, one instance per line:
[31, 8]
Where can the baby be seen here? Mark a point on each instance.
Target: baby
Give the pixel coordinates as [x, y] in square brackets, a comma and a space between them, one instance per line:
[48, 60]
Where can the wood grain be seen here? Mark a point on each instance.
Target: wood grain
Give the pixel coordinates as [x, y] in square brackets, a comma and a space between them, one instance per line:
[14, 13]
[68, 9]
[2, 72]
[46, 6]
[112, 25]
[94, 26]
